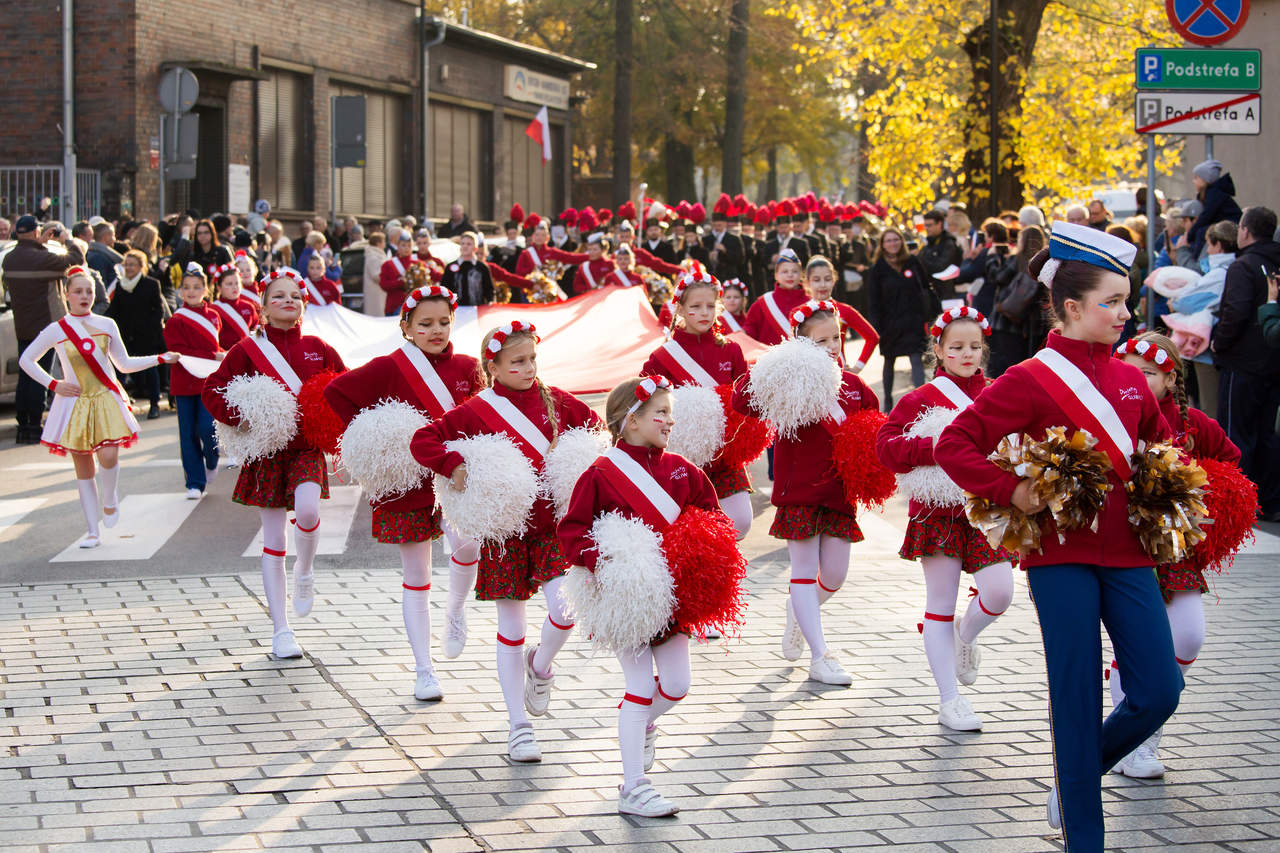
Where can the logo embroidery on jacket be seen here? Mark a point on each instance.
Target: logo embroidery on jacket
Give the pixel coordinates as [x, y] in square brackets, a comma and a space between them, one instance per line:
[1129, 394]
[726, 366]
[679, 474]
[312, 356]
[462, 385]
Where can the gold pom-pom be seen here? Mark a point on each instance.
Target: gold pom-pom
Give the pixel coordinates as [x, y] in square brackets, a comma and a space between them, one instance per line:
[1166, 501]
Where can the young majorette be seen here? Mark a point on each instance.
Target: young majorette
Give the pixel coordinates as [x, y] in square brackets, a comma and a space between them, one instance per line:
[518, 406]
[820, 281]
[1181, 584]
[90, 412]
[640, 415]
[194, 330]
[813, 515]
[697, 354]
[768, 317]
[938, 533]
[240, 313]
[427, 374]
[1081, 577]
[321, 290]
[734, 302]
[293, 478]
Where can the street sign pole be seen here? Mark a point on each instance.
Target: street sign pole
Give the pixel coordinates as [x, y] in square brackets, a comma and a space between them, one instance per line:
[1151, 227]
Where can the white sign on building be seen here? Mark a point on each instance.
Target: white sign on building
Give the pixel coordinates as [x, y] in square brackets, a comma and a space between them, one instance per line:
[534, 88]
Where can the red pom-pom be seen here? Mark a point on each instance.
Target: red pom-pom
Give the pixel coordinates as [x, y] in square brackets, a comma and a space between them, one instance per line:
[321, 426]
[701, 548]
[745, 437]
[866, 480]
[1232, 501]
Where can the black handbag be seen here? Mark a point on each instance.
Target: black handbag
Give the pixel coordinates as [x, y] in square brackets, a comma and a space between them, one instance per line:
[1017, 299]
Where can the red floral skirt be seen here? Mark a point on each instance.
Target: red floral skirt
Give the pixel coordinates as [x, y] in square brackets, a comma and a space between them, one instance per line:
[728, 480]
[805, 522]
[518, 567]
[398, 528]
[1179, 577]
[955, 537]
[270, 482]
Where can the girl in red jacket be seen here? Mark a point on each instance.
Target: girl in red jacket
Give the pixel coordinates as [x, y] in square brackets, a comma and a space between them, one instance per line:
[820, 281]
[768, 317]
[813, 516]
[427, 374]
[734, 303]
[938, 534]
[639, 416]
[194, 329]
[295, 477]
[239, 313]
[320, 289]
[697, 354]
[1098, 574]
[1183, 583]
[521, 407]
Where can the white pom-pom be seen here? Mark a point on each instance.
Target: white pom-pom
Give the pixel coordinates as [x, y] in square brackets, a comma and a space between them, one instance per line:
[269, 412]
[375, 449]
[698, 433]
[1048, 270]
[572, 454]
[630, 598]
[929, 484]
[501, 488]
[794, 384]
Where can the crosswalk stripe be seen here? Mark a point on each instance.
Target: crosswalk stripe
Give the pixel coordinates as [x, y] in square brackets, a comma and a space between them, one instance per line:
[146, 523]
[63, 466]
[12, 511]
[336, 516]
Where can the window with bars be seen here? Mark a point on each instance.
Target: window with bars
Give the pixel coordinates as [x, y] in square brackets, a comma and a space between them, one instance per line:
[281, 140]
[380, 188]
[461, 160]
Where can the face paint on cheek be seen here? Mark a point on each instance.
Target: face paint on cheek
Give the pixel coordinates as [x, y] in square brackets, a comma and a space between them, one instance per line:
[659, 420]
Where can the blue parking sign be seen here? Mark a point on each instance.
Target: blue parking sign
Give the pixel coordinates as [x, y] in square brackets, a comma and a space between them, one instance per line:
[1151, 68]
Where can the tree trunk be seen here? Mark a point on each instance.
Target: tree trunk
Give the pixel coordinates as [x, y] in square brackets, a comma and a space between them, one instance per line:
[623, 61]
[678, 159]
[1018, 25]
[771, 157]
[735, 99]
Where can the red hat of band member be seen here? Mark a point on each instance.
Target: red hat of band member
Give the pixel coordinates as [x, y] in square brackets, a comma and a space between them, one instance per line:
[826, 213]
[772, 207]
[587, 221]
[627, 211]
[720, 211]
[787, 209]
[517, 212]
[532, 222]
[698, 214]
[655, 213]
[810, 201]
[741, 206]
[568, 217]
[749, 214]
[867, 207]
[604, 215]
[683, 211]
[847, 212]
[762, 216]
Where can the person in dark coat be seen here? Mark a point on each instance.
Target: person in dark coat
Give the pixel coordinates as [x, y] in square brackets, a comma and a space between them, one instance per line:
[1013, 318]
[1216, 191]
[901, 303]
[140, 310]
[469, 276]
[457, 224]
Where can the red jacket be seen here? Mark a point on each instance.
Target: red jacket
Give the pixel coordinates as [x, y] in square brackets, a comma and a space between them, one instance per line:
[645, 258]
[306, 354]
[1208, 440]
[525, 264]
[600, 270]
[759, 323]
[392, 281]
[594, 495]
[850, 318]
[380, 379]
[329, 289]
[803, 467]
[247, 309]
[186, 338]
[1016, 402]
[901, 454]
[428, 443]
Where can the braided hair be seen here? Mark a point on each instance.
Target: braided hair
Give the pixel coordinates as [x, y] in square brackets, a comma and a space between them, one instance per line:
[1179, 381]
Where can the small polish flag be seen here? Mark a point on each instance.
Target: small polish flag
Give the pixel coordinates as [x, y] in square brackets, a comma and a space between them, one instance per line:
[539, 130]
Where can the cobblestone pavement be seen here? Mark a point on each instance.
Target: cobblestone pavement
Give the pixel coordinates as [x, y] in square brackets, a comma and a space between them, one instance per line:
[147, 715]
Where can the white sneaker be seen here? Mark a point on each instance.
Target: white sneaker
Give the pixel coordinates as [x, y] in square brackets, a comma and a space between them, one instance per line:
[522, 746]
[194, 494]
[427, 688]
[537, 689]
[110, 519]
[304, 593]
[1052, 814]
[792, 637]
[455, 634]
[828, 670]
[285, 645]
[644, 801]
[968, 656]
[650, 746]
[1144, 762]
[958, 716]
[711, 634]
[90, 540]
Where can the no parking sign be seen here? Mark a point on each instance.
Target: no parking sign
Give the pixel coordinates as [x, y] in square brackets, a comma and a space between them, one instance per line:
[1207, 22]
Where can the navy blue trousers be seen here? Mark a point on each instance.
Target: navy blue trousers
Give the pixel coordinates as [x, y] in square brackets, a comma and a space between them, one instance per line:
[1070, 601]
[196, 439]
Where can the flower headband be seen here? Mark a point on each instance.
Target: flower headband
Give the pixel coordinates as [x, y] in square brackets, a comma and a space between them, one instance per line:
[732, 282]
[431, 292]
[964, 312]
[72, 272]
[807, 310]
[217, 272]
[648, 386]
[1149, 351]
[695, 276]
[501, 334]
[289, 273]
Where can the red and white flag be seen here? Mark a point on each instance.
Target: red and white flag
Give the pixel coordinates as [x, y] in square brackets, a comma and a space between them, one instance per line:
[539, 130]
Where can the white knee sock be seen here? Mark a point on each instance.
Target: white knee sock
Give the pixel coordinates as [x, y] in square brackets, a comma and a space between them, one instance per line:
[1115, 685]
[88, 490]
[1186, 624]
[462, 569]
[671, 659]
[833, 563]
[306, 531]
[738, 507]
[511, 660]
[941, 578]
[108, 478]
[804, 592]
[635, 713]
[556, 628]
[415, 558]
[273, 577]
[995, 593]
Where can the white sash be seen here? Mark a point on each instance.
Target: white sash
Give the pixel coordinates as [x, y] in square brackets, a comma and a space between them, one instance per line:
[515, 419]
[317, 298]
[952, 391]
[429, 376]
[251, 296]
[836, 413]
[776, 313]
[591, 279]
[657, 496]
[732, 322]
[622, 277]
[537, 260]
[200, 320]
[1090, 398]
[688, 365]
[233, 314]
[398, 264]
[277, 361]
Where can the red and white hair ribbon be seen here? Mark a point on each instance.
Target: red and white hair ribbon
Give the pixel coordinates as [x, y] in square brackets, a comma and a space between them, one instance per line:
[732, 282]
[72, 272]
[693, 277]
[807, 310]
[501, 334]
[431, 291]
[648, 386]
[217, 273]
[964, 312]
[1149, 351]
[289, 273]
